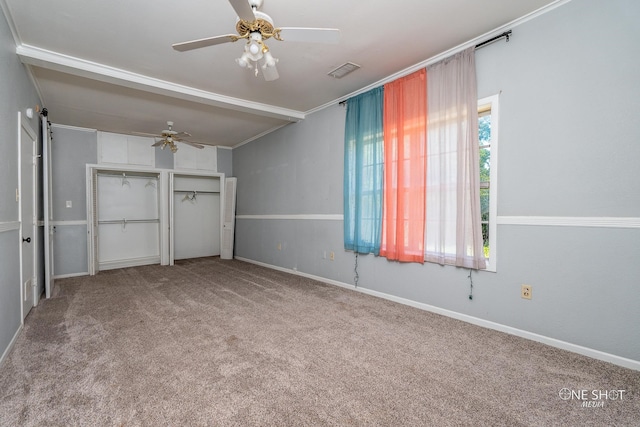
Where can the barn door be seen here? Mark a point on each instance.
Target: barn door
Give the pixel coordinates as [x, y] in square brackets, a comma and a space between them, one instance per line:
[49, 228]
[229, 217]
[28, 255]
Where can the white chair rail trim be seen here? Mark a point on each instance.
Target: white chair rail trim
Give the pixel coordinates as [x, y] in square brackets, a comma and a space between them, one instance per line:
[9, 226]
[567, 221]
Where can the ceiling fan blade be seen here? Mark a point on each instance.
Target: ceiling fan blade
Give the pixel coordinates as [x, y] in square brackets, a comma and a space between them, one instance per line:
[193, 144]
[158, 144]
[270, 73]
[310, 35]
[209, 41]
[244, 11]
[182, 134]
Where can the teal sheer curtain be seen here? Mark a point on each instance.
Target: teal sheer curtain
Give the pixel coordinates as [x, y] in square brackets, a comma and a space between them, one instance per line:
[363, 172]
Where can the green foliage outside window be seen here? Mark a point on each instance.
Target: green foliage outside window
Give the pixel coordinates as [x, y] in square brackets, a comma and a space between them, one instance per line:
[484, 136]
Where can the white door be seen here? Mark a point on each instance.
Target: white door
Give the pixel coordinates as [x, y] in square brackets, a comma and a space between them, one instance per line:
[229, 218]
[49, 228]
[27, 193]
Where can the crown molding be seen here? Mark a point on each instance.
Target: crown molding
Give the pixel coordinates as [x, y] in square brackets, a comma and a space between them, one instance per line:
[35, 56]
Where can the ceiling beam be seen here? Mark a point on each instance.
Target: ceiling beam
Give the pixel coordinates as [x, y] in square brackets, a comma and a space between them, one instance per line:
[31, 55]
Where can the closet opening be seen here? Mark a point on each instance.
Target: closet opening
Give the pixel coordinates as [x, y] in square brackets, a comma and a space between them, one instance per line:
[125, 221]
[196, 215]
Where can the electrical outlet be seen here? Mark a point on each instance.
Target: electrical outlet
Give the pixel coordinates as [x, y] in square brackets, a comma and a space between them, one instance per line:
[279, 246]
[69, 204]
[332, 256]
[525, 291]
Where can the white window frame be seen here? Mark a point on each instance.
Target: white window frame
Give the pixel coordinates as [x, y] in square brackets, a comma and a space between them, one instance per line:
[493, 102]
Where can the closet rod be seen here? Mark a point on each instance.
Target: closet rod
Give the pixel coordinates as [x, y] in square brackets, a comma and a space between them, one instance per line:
[127, 221]
[196, 191]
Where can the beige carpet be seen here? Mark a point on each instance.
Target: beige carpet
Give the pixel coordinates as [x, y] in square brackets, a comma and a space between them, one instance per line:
[211, 342]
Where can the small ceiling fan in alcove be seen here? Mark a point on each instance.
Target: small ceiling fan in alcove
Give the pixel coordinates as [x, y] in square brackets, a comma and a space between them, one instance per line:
[255, 27]
[169, 137]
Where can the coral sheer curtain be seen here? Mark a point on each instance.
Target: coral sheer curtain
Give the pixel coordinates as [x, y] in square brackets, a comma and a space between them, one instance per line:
[403, 222]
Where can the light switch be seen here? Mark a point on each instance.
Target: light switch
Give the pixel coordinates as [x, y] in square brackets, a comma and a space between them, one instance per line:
[69, 204]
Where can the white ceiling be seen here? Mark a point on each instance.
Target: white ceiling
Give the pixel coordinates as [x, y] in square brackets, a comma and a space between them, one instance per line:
[109, 65]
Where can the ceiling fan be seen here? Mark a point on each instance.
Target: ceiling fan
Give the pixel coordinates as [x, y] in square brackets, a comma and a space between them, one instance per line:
[169, 137]
[256, 27]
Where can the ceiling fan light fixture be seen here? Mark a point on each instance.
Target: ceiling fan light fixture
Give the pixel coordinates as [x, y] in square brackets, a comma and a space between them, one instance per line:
[254, 48]
[269, 60]
[244, 61]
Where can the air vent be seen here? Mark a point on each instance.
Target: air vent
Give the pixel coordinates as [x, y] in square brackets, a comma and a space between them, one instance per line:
[343, 70]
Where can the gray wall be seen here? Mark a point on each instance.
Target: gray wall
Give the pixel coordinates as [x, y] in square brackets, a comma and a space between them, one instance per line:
[568, 147]
[71, 150]
[225, 164]
[17, 93]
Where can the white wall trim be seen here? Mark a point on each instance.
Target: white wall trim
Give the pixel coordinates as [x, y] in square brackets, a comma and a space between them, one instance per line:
[10, 346]
[68, 127]
[65, 276]
[9, 226]
[568, 221]
[39, 57]
[133, 262]
[585, 351]
[260, 135]
[313, 217]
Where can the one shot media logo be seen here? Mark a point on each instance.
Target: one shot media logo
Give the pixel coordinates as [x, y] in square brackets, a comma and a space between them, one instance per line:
[591, 398]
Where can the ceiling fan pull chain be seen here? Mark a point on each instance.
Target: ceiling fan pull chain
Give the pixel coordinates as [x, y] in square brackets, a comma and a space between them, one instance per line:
[256, 70]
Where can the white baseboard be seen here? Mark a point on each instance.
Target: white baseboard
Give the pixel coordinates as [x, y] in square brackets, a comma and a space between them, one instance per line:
[65, 276]
[10, 346]
[585, 351]
[133, 262]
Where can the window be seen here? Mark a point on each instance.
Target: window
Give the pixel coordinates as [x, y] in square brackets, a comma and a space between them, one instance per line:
[488, 145]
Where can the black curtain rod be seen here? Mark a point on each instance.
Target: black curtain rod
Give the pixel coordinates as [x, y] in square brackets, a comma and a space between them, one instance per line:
[506, 35]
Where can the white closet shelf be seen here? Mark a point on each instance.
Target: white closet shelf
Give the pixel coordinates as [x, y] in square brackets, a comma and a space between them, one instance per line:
[120, 174]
